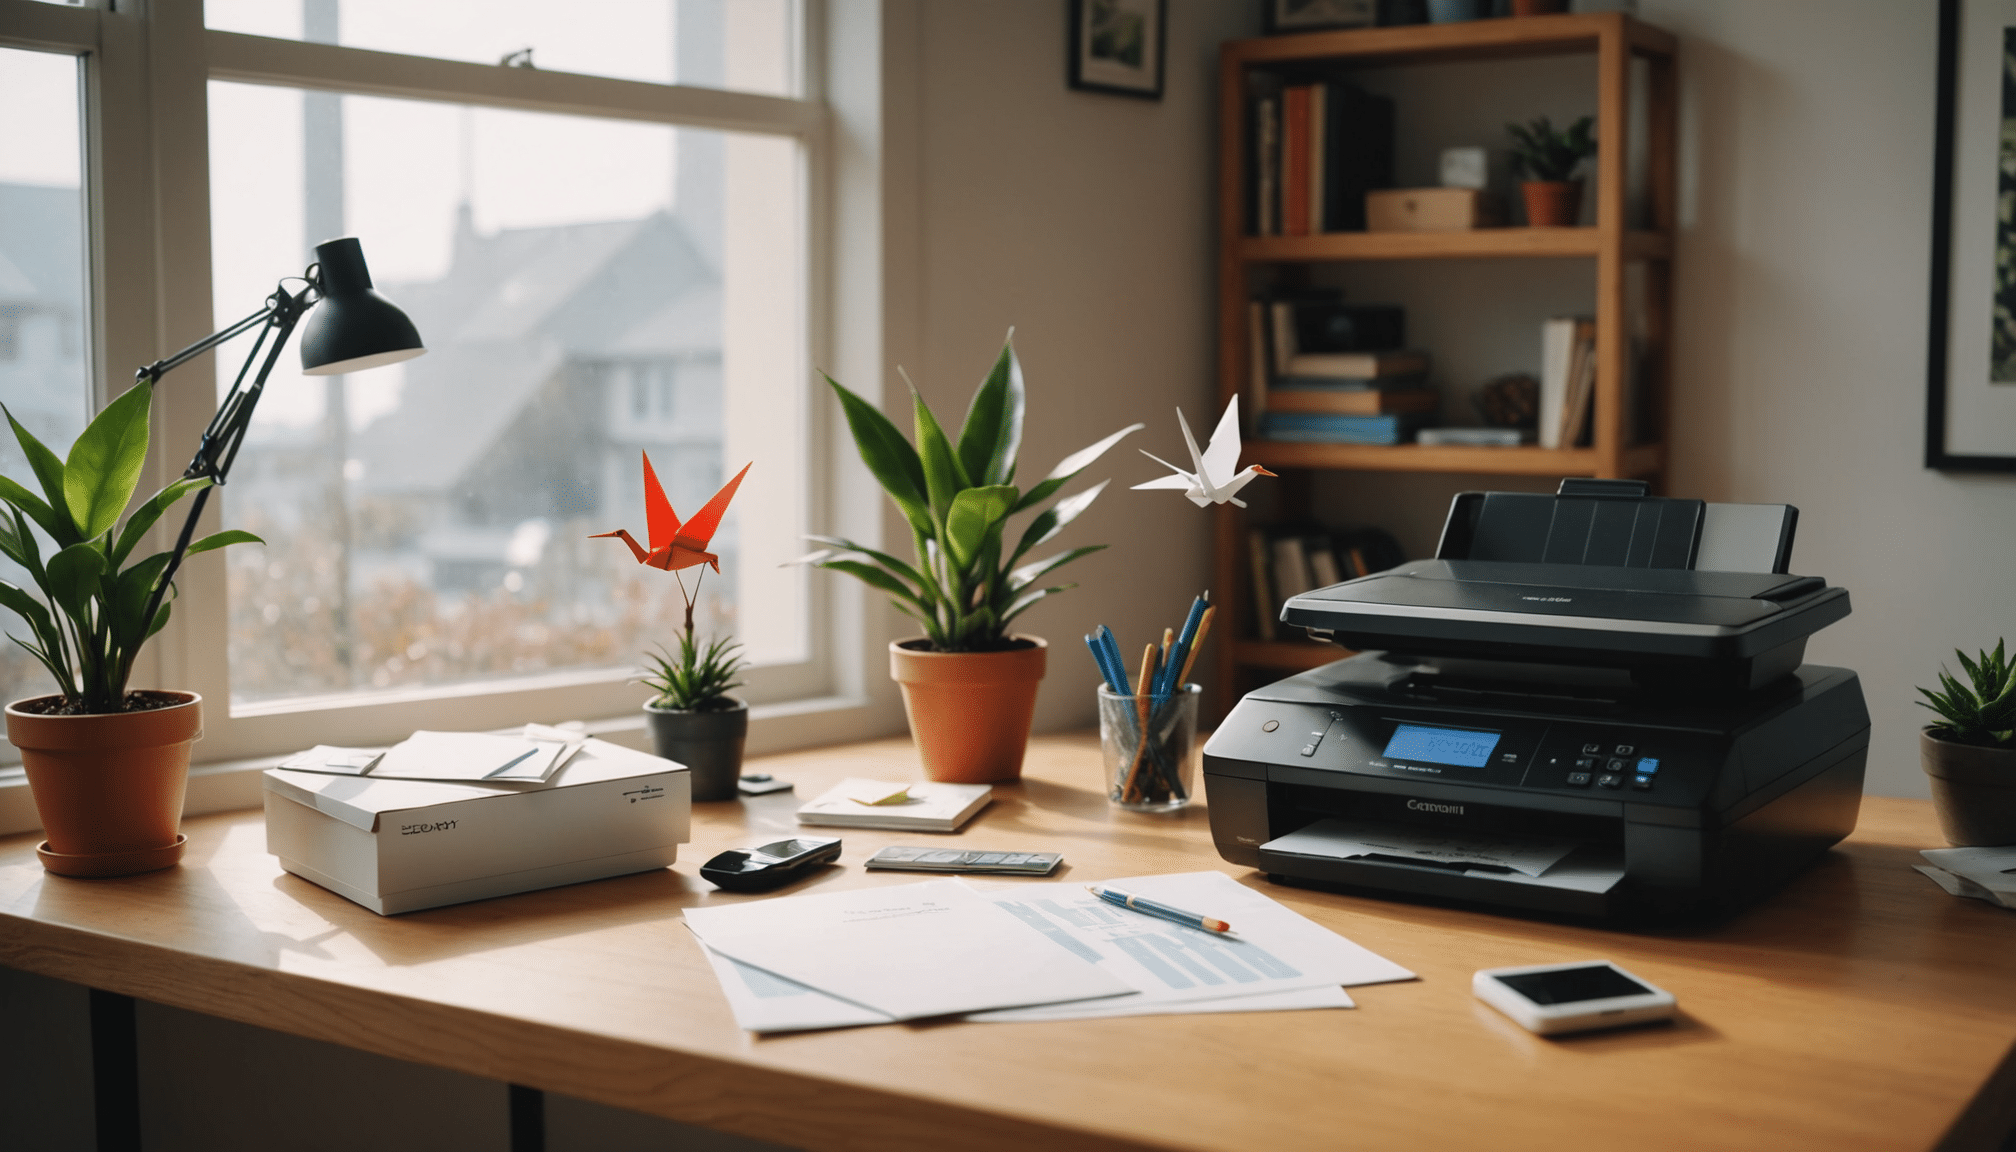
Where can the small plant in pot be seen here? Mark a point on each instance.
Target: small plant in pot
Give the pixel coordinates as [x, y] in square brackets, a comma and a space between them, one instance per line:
[969, 683]
[1546, 160]
[692, 718]
[107, 766]
[1970, 755]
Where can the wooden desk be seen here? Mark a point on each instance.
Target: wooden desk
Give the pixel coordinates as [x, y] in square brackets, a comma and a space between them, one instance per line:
[1860, 1008]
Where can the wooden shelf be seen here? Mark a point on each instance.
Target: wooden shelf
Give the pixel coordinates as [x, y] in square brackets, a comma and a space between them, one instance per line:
[1294, 655]
[1561, 35]
[1488, 243]
[1639, 460]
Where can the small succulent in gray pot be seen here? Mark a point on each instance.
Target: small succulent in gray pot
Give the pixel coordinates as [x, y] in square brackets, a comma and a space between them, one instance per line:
[1970, 754]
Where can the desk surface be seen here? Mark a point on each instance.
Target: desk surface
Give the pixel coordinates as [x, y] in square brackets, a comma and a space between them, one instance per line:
[1860, 1008]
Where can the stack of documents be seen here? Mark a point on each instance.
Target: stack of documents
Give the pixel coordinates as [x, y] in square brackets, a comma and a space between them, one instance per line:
[922, 807]
[470, 757]
[1983, 873]
[1021, 952]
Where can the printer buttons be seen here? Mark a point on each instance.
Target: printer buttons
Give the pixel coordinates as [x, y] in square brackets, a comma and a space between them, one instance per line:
[1586, 764]
[1592, 749]
[1509, 757]
[1308, 749]
[1578, 779]
[1625, 749]
[1610, 780]
[1617, 764]
[1642, 783]
[1647, 766]
[1270, 726]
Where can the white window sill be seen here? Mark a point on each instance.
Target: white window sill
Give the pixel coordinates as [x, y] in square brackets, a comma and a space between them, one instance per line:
[229, 785]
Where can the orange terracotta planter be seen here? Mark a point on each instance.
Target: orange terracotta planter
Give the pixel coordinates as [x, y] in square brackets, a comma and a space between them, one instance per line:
[109, 787]
[969, 711]
[1552, 203]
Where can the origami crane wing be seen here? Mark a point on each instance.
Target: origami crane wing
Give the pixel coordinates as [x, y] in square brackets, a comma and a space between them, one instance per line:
[1221, 459]
[700, 529]
[675, 545]
[659, 517]
[1177, 477]
[1206, 486]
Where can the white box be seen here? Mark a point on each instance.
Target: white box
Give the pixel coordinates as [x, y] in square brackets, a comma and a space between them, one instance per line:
[401, 845]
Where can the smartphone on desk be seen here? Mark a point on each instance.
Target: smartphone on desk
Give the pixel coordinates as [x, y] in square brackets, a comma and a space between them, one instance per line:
[1551, 999]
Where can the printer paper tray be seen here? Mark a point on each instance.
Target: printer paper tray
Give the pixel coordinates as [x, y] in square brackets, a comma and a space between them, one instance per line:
[1326, 851]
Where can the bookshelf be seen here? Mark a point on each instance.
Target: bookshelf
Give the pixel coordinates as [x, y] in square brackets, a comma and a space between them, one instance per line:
[1612, 248]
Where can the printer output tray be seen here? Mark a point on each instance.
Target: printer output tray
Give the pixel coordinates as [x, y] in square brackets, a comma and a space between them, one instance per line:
[1580, 882]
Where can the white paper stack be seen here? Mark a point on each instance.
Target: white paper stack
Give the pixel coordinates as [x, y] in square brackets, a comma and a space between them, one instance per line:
[924, 807]
[469, 757]
[1021, 952]
[1983, 873]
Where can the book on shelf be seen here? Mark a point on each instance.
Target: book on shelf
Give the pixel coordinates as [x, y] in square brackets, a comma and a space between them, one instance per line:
[1576, 407]
[1288, 560]
[1327, 428]
[1359, 365]
[1306, 322]
[1476, 437]
[1405, 395]
[1260, 576]
[1561, 359]
[1315, 149]
[1257, 367]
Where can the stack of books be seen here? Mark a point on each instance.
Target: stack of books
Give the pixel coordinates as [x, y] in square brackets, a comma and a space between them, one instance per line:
[1327, 371]
[1316, 149]
[1288, 561]
[1567, 380]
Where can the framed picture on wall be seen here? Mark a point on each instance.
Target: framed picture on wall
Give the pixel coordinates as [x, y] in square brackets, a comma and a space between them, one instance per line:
[1970, 410]
[1116, 46]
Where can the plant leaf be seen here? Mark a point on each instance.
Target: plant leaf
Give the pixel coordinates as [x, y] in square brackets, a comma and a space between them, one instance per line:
[888, 456]
[144, 516]
[1028, 600]
[73, 579]
[128, 599]
[975, 514]
[944, 476]
[1072, 465]
[38, 510]
[223, 539]
[49, 473]
[1054, 518]
[873, 577]
[992, 434]
[1028, 574]
[104, 463]
[892, 563]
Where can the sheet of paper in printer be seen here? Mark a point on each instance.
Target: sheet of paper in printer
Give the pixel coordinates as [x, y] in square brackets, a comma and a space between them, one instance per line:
[1347, 838]
[1983, 873]
[531, 757]
[1276, 960]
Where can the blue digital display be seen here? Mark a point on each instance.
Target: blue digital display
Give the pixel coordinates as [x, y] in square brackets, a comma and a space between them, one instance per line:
[1460, 747]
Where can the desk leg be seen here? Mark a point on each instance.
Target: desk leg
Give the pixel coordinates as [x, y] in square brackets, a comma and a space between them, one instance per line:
[115, 1072]
[528, 1119]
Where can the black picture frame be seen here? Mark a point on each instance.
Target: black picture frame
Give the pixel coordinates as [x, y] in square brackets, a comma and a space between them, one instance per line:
[1281, 17]
[1948, 228]
[1105, 33]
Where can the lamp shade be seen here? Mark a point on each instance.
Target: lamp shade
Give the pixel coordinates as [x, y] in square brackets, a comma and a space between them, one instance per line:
[353, 327]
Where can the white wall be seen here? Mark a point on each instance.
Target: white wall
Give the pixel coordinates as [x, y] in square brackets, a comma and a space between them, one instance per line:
[1087, 222]
[1806, 208]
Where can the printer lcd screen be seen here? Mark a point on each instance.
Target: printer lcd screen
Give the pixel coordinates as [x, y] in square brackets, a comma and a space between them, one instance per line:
[1459, 747]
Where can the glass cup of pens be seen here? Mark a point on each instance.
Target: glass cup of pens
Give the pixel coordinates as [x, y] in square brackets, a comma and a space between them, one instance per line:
[1150, 748]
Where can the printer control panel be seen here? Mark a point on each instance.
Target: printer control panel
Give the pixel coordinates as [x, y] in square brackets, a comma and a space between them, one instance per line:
[1514, 752]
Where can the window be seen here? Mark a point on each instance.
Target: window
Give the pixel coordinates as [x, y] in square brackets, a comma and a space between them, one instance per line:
[609, 252]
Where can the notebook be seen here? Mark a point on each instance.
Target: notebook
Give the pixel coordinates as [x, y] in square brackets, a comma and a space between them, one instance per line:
[928, 807]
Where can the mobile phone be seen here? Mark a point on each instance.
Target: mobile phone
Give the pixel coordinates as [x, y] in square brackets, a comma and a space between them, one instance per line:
[770, 866]
[761, 783]
[960, 860]
[1554, 998]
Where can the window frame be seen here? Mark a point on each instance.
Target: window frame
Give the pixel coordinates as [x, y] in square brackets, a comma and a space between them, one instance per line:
[147, 66]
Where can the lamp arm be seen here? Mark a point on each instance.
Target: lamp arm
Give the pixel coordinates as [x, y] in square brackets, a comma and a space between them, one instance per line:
[218, 448]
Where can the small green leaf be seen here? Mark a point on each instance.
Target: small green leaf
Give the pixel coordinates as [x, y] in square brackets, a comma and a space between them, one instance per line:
[976, 513]
[944, 476]
[888, 456]
[73, 578]
[104, 463]
[1028, 600]
[992, 434]
[128, 598]
[1054, 518]
[1029, 573]
[144, 516]
[39, 511]
[223, 539]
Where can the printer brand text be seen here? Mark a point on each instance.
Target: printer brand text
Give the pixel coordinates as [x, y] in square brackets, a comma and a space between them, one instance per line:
[1426, 806]
[436, 826]
[1551, 599]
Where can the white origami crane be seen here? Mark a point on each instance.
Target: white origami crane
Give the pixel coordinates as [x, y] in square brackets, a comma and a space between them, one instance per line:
[1214, 482]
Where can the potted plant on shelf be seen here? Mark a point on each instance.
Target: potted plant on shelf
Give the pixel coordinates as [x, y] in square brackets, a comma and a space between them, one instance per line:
[693, 720]
[1546, 160]
[107, 767]
[969, 684]
[1970, 755]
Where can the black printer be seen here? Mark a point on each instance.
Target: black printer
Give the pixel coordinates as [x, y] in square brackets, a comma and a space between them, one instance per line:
[1590, 703]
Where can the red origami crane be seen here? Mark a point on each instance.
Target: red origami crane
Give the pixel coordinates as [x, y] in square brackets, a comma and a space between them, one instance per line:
[675, 545]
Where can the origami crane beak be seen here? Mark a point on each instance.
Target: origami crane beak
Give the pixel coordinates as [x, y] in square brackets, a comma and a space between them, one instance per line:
[1259, 471]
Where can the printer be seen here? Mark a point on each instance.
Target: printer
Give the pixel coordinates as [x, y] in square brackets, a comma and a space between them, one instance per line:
[1591, 703]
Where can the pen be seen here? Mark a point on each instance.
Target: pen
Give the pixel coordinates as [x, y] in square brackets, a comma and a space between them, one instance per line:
[1127, 899]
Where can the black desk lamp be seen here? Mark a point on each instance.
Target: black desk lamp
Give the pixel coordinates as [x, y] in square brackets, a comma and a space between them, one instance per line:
[355, 329]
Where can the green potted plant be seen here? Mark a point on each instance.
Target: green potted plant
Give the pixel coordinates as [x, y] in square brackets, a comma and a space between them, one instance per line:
[969, 683]
[692, 718]
[1970, 755]
[107, 766]
[1546, 159]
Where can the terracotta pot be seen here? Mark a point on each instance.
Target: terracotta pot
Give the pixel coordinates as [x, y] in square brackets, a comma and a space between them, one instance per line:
[1552, 203]
[708, 742]
[1538, 7]
[969, 711]
[1973, 789]
[108, 787]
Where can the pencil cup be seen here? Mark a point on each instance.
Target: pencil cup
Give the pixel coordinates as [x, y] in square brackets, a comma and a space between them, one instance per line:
[1152, 774]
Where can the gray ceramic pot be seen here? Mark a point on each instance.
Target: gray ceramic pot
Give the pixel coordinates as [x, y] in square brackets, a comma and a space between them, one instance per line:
[708, 742]
[1973, 790]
